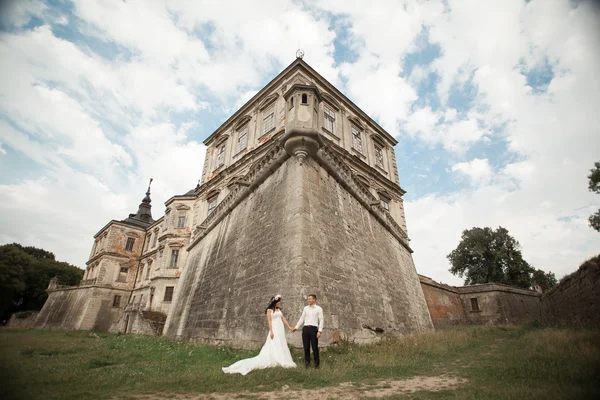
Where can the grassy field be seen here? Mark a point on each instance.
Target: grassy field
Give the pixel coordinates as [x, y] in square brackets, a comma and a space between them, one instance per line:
[485, 362]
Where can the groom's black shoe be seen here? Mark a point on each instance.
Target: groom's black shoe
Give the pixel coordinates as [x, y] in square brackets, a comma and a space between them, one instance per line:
[317, 366]
[307, 365]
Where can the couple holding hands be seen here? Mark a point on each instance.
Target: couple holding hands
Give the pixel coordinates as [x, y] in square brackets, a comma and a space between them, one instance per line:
[275, 351]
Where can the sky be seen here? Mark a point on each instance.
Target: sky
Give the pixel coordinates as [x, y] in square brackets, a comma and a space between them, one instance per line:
[495, 106]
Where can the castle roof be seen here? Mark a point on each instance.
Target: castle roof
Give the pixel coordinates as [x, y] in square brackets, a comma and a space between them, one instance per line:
[300, 64]
[143, 217]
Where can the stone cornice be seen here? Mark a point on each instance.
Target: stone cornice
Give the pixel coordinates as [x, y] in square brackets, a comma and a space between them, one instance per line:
[345, 177]
[94, 286]
[332, 164]
[478, 288]
[260, 171]
[108, 254]
[366, 169]
[232, 170]
[120, 223]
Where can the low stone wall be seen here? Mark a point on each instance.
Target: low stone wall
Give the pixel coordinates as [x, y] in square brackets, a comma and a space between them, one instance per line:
[444, 303]
[479, 304]
[22, 320]
[576, 299]
[500, 304]
[86, 308]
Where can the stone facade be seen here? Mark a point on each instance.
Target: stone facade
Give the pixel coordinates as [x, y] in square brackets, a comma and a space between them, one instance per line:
[299, 193]
[489, 303]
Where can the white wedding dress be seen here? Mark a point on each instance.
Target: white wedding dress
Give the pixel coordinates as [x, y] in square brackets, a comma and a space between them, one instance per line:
[274, 353]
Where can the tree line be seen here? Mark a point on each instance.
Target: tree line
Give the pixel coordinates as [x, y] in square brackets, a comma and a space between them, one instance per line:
[484, 255]
[24, 275]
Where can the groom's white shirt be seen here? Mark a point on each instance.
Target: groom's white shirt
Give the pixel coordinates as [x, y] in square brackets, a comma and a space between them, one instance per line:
[311, 316]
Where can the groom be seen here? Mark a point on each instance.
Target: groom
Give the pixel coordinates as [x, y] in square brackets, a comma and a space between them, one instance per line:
[312, 318]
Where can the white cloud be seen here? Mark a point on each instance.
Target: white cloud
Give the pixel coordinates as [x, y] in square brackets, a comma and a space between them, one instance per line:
[2, 151]
[99, 119]
[394, 95]
[477, 170]
[19, 12]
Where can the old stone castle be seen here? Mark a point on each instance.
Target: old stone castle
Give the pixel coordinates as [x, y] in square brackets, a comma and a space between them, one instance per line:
[299, 194]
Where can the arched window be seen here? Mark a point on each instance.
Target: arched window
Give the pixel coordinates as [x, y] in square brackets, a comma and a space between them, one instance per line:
[304, 98]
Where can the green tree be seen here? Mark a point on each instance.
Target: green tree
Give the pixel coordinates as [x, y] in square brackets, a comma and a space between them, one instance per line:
[594, 186]
[12, 279]
[24, 276]
[484, 255]
[546, 280]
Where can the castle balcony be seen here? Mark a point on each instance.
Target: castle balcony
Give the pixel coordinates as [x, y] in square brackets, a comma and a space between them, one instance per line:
[87, 282]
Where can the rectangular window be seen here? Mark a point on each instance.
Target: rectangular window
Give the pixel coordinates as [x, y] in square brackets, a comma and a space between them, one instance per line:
[378, 156]
[242, 140]
[181, 219]
[155, 238]
[129, 245]
[220, 158]
[269, 120]
[123, 270]
[117, 301]
[474, 304]
[168, 293]
[174, 257]
[212, 204]
[328, 119]
[356, 140]
[148, 241]
[385, 203]
[148, 272]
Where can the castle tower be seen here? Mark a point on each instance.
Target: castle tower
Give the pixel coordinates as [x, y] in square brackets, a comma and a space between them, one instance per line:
[299, 221]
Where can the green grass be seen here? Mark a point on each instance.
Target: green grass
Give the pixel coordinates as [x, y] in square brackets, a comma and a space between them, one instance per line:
[498, 362]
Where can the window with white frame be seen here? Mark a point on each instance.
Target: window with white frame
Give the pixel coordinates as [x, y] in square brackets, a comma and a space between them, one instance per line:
[356, 139]
[268, 120]
[174, 258]
[148, 241]
[148, 272]
[378, 156]
[155, 237]
[242, 139]
[328, 118]
[212, 204]
[181, 219]
[220, 156]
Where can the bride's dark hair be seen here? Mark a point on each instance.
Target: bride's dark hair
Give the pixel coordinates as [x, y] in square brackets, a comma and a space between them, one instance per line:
[274, 300]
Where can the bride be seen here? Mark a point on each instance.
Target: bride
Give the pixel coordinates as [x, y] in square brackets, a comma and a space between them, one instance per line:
[275, 352]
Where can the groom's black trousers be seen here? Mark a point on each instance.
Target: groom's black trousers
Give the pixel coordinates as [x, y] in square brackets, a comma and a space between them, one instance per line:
[309, 339]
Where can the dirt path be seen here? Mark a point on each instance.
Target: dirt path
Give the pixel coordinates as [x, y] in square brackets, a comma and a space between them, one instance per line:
[345, 391]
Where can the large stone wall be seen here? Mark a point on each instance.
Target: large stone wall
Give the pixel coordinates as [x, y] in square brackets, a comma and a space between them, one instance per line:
[496, 304]
[576, 300]
[232, 272]
[298, 233]
[365, 277]
[86, 308]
